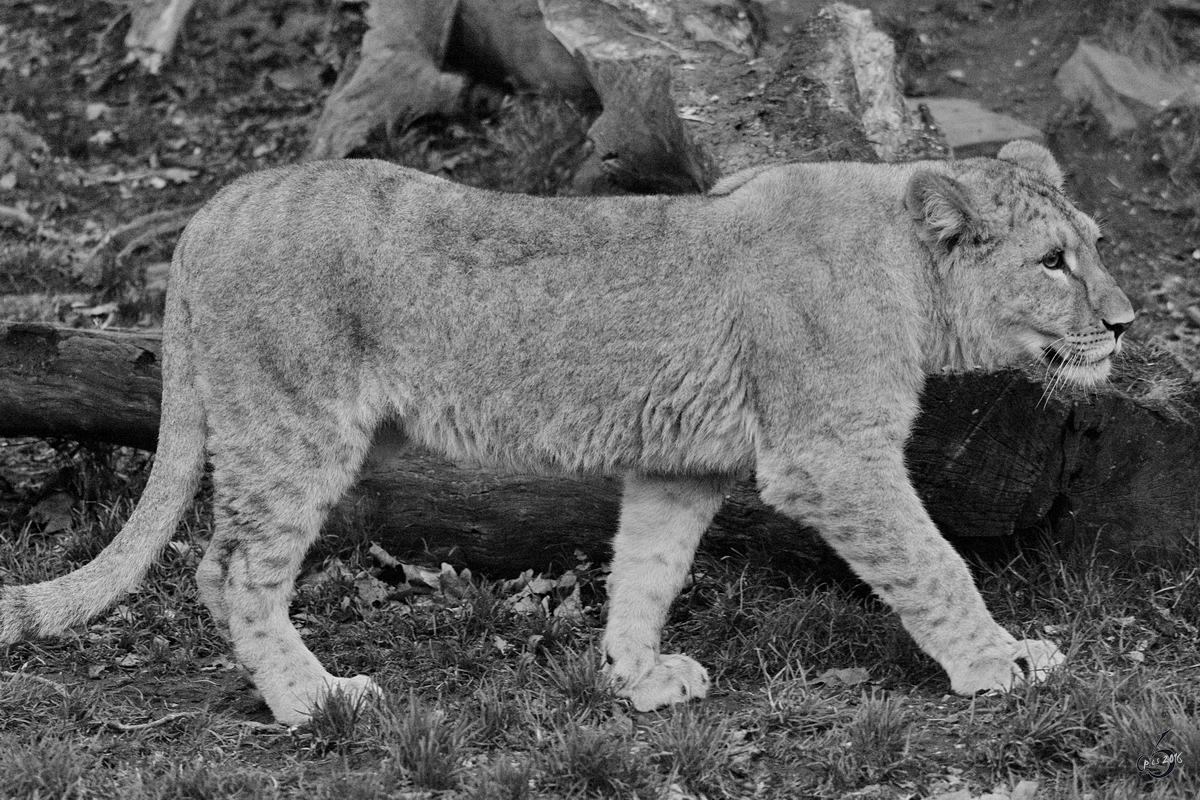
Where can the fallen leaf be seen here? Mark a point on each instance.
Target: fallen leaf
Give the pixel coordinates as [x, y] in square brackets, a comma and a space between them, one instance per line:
[570, 609]
[53, 512]
[371, 590]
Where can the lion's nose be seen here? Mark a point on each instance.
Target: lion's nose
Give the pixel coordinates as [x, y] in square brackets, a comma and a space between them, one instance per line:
[1117, 328]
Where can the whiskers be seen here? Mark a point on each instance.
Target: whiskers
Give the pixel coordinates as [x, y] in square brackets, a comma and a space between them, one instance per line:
[1065, 365]
[1056, 371]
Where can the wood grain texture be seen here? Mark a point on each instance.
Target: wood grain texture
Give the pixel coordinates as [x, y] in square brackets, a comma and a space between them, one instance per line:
[87, 385]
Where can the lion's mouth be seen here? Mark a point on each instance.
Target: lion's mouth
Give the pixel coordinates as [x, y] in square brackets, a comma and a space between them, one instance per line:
[1053, 357]
[1073, 366]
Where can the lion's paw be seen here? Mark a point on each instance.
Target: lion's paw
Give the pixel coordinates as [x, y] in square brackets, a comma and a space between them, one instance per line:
[672, 679]
[1002, 668]
[355, 691]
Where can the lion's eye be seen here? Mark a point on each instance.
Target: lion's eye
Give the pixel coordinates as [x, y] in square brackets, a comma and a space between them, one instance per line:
[1053, 260]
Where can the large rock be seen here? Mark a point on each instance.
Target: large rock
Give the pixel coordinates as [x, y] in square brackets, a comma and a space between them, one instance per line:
[1125, 91]
[970, 129]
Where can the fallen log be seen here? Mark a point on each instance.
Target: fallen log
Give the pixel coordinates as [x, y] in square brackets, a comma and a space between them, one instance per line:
[991, 456]
[79, 384]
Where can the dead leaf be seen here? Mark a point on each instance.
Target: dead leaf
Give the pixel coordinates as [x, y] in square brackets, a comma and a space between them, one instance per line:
[542, 585]
[53, 512]
[570, 609]
[130, 660]
[371, 590]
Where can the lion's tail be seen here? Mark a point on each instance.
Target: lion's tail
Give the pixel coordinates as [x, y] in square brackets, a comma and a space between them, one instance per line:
[49, 608]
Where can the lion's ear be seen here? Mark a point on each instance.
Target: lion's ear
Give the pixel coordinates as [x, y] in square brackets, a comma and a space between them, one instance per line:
[945, 215]
[1033, 157]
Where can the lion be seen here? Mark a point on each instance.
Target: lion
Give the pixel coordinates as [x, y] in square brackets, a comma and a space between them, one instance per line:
[781, 325]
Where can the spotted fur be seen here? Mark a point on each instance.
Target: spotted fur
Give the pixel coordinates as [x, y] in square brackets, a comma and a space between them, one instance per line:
[784, 324]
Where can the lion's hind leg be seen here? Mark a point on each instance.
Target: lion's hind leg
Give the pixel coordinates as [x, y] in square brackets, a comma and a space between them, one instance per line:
[662, 520]
[270, 500]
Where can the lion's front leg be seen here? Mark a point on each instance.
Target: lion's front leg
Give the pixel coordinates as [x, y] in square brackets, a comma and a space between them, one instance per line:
[867, 509]
[662, 520]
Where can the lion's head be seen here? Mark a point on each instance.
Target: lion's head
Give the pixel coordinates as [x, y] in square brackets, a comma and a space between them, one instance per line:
[1017, 265]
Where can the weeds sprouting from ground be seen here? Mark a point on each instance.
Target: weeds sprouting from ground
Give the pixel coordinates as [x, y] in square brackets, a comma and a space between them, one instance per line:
[337, 723]
[41, 767]
[502, 780]
[426, 745]
[697, 749]
[597, 761]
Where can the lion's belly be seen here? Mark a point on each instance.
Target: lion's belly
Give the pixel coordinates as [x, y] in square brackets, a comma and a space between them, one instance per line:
[660, 416]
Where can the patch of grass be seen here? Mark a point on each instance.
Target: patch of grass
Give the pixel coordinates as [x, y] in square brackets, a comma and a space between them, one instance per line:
[1132, 728]
[597, 761]
[47, 767]
[425, 744]
[578, 680]
[502, 779]
[872, 744]
[695, 748]
[497, 710]
[202, 780]
[748, 627]
[338, 723]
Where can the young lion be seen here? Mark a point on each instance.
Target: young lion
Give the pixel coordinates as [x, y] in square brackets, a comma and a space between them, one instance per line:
[782, 324]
